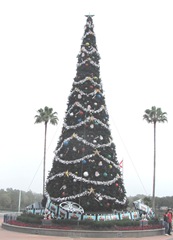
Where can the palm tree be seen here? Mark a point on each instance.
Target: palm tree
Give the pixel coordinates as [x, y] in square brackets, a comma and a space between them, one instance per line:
[154, 115]
[46, 115]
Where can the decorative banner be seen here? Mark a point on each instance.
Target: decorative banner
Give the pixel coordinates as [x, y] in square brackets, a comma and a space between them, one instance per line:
[89, 217]
[48, 203]
[62, 214]
[125, 215]
[53, 208]
[72, 210]
[145, 209]
[101, 217]
[135, 215]
[74, 216]
[115, 216]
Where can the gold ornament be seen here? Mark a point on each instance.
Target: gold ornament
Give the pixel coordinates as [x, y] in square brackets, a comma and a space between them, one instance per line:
[91, 190]
[96, 152]
[74, 135]
[67, 173]
[97, 90]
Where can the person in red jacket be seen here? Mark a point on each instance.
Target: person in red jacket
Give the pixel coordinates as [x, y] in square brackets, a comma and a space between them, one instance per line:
[170, 221]
[166, 223]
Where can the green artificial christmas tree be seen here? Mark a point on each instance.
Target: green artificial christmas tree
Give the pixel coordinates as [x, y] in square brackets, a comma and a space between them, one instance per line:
[85, 169]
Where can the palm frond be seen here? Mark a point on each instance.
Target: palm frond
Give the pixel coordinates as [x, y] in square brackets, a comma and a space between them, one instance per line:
[46, 115]
[154, 115]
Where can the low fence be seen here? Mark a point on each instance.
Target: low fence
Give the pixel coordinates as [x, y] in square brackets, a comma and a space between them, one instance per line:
[10, 216]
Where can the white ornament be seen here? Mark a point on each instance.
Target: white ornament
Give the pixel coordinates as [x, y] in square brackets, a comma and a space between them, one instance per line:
[63, 187]
[85, 174]
[74, 148]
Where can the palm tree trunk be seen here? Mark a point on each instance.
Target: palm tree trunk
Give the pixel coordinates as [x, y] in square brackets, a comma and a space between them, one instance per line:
[44, 159]
[154, 169]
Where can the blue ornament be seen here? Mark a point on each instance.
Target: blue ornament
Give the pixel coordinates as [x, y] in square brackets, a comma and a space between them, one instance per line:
[98, 95]
[66, 143]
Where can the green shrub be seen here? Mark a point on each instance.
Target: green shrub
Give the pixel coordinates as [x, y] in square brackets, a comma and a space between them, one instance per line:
[95, 224]
[126, 223]
[102, 224]
[30, 218]
[85, 224]
[154, 221]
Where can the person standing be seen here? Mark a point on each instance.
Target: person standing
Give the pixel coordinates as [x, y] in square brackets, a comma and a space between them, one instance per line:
[170, 221]
[166, 223]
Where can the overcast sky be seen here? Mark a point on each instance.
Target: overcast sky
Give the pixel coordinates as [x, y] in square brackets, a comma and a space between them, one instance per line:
[39, 43]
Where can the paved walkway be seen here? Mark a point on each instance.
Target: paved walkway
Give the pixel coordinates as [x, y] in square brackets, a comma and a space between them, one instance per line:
[9, 235]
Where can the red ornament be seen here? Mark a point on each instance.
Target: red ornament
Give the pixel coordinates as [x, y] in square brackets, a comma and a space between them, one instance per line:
[81, 112]
[116, 185]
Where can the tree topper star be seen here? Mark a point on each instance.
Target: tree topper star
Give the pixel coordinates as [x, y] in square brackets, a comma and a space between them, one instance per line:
[89, 15]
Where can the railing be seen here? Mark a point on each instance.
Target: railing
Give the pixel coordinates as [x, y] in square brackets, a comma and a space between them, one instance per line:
[10, 216]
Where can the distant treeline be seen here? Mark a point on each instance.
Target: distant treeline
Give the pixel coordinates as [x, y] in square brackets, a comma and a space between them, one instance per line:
[9, 200]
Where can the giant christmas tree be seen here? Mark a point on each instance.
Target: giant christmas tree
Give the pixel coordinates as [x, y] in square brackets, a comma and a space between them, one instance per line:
[85, 169]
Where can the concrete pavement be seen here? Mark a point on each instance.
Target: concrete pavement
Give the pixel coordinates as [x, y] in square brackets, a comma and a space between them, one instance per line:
[8, 235]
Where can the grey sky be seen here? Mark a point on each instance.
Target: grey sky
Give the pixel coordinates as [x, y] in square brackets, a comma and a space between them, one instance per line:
[39, 42]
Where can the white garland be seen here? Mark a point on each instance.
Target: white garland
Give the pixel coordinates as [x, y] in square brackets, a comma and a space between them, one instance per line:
[85, 142]
[87, 79]
[86, 94]
[73, 161]
[89, 24]
[84, 122]
[86, 157]
[85, 193]
[81, 179]
[87, 109]
[88, 60]
[88, 33]
[83, 49]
